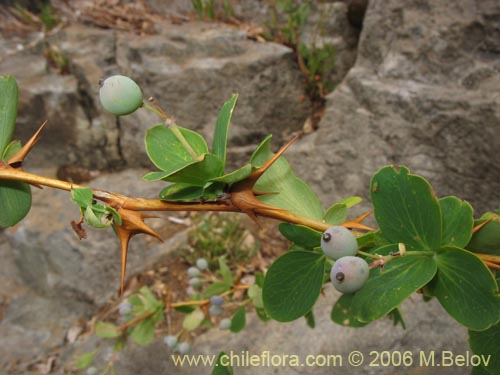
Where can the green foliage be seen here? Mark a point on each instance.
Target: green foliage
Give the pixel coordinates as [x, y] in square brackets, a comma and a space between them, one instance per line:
[96, 215]
[320, 63]
[215, 235]
[219, 368]
[293, 284]
[208, 8]
[386, 289]
[485, 343]
[466, 288]
[85, 360]
[15, 196]
[238, 321]
[303, 236]
[487, 239]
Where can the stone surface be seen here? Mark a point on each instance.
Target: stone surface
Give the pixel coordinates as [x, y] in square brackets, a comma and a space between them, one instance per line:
[423, 93]
[191, 69]
[52, 279]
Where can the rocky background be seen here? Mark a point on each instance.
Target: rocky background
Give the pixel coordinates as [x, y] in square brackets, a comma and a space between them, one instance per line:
[418, 83]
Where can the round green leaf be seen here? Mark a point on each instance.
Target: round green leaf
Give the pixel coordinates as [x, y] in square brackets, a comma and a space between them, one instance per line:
[293, 284]
[406, 209]
[466, 288]
[457, 221]
[193, 320]
[486, 344]
[387, 288]
[15, 202]
[342, 312]
[301, 235]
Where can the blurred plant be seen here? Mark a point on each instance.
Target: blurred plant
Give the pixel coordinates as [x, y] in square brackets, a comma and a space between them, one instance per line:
[214, 235]
[207, 9]
[288, 19]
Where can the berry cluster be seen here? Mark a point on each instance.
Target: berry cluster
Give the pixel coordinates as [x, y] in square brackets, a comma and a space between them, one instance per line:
[349, 273]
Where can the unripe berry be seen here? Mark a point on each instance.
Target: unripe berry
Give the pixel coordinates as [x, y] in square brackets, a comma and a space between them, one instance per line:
[215, 310]
[349, 274]
[202, 264]
[225, 323]
[170, 341]
[120, 95]
[338, 242]
[193, 272]
[216, 300]
[184, 348]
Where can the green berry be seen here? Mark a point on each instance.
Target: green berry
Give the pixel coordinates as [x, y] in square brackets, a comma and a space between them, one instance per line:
[349, 274]
[120, 95]
[338, 242]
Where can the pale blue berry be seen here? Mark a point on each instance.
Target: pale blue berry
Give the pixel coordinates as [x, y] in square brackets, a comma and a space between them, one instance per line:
[202, 264]
[338, 242]
[216, 300]
[215, 310]
[195, 282]
[120, 95]
[125, 308]
[193, 272]
[349, 274]
[225, 323]
[184, 348]
[170, 341]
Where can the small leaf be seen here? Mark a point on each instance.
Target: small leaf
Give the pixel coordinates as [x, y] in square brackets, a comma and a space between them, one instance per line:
[167, 152]
[406, 209]
[255, 294]
[185, 309]
[9, 94]
[193, 320]
[143, 333]
[293, 284]
[235, 176]
[487, 239]
[216, 288]
[342, 312]
[486, 344]
[225, 272]
[301, 235]
[396, 316]
[106, 330]
[311, 322]
[181, 192]
[239, 320]
[222, 367]
[293, 193]
[350, 201]
[83, 197]
[15, 202]
[85, 360]
[11, 149]
[221, 129]
[262, 315]
[94, 220]
[457, 221]
[466, 288]
[336, 214]
[386, 289]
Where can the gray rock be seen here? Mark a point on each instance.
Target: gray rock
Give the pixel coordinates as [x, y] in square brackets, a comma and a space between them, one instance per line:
[193, 69]
[423, 93]
[52, 279]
